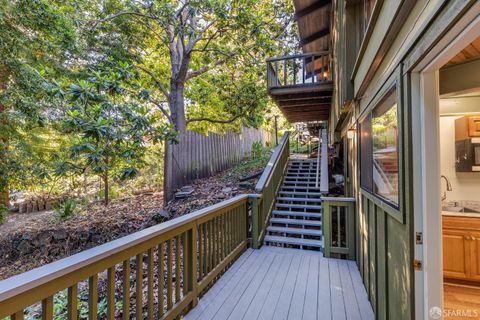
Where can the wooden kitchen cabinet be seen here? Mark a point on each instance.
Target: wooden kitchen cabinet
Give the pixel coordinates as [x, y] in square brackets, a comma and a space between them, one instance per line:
[475, 255]
[456, 252]
[461, 248]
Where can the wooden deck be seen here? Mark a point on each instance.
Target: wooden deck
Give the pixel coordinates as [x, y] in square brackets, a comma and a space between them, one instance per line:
[276, 283]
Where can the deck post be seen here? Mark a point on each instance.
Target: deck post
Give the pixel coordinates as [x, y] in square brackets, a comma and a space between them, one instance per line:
[192, 264]
[255, 214]
[326, 223]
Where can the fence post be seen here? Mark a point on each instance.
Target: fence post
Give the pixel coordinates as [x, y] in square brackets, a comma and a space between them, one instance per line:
[255, 230]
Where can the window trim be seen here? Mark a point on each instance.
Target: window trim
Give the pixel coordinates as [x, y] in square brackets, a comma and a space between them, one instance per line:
[391, 94]
[393, 83]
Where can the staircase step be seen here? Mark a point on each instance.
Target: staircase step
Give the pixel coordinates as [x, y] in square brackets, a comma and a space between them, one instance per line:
[300, 193]
[298, 206]
[300, 178]
[299, 222]
[296, 214]
[294, 241]
[317, 200]
[300, 187]
[305, 232]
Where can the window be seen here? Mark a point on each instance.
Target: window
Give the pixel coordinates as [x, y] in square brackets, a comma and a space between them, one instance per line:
[379, 151]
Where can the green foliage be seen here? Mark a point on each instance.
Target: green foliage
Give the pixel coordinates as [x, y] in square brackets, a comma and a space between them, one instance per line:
[113, 131]
[37, 39]
[257, 149]
[66, 210]
[3, 213]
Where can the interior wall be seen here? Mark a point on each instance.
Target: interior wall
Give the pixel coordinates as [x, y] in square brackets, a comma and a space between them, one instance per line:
[465, 185]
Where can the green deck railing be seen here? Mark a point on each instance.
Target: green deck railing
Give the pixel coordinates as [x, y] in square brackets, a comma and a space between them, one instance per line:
[167, 266]
[338, 225]
[267, 188]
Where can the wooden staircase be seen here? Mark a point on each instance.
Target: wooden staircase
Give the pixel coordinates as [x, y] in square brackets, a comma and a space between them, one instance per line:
[296, 220]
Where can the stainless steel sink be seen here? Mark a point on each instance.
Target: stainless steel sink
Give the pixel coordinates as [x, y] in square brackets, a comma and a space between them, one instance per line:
[459, 209]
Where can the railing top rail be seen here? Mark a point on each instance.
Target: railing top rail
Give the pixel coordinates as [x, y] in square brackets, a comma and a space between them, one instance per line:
[300, 55]
[338, 199]
[35, 278]
[272, 163]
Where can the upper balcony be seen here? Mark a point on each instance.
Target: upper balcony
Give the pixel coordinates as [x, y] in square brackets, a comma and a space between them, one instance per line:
[301, 85]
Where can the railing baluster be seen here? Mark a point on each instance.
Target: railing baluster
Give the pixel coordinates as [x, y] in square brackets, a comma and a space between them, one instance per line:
[111, 293]
[161, 279]
[169, 275]
[177, 268]
[126, 290]
[294, 71]
[192, 259]
[224, 251]
[139, 286]
[205, 249]
[185, 253]
[47, 308]
[209, 246]
[200, 251]
[150, 278]
[303, 70]
[72, 302]
[93, 297]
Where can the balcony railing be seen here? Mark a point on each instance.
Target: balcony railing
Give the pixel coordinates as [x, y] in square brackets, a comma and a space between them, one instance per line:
[298, 70]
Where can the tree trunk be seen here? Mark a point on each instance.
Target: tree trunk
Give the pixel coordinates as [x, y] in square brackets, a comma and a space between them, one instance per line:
[177, 109]
[177, 106]
[105, 186]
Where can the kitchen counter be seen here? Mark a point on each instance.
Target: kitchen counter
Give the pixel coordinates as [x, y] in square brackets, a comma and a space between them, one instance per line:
[461, 214]
[462, 208]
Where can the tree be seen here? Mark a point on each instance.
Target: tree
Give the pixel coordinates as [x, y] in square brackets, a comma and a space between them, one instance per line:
[37, 38]
[198, 36]
[186, 39]
[112, 131]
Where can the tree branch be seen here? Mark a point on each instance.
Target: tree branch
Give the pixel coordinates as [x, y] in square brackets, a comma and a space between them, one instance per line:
[157, 81]
[193, 74]
[214, 120]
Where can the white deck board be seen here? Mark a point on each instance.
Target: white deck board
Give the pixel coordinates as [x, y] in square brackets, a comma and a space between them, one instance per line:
[277, 283]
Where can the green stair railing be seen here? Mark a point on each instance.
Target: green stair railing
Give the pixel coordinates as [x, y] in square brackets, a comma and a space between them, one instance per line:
[267, 188]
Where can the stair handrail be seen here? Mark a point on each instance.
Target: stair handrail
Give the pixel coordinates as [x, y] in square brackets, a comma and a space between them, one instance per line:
[267, 188]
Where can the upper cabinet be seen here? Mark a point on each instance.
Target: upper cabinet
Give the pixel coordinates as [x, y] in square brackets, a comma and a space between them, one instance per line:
[467, 127]
[467, 144]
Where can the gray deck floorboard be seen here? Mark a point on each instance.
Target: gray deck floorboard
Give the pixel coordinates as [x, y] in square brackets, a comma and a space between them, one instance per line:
[277, 283]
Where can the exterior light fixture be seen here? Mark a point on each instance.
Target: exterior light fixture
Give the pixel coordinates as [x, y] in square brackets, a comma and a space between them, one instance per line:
[351, 133]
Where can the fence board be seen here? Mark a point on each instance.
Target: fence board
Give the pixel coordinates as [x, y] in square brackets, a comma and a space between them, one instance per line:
[198, 156]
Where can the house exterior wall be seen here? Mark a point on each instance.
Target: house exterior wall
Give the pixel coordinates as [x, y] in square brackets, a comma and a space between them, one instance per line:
[400, 34]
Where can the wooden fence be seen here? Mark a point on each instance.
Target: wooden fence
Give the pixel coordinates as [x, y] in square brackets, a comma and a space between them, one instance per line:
[198, 156]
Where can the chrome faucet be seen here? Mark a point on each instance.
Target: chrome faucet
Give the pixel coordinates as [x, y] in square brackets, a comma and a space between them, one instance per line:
[449, 187]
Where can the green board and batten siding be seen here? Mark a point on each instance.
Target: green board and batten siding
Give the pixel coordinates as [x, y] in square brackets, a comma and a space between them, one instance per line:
[385, 235]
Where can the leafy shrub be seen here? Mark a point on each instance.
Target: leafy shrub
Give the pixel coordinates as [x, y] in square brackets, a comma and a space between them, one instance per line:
[3, 213]
[257, 149]
[66, 210]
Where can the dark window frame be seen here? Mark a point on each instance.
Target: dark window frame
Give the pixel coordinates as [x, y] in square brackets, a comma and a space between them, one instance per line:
[365, 143]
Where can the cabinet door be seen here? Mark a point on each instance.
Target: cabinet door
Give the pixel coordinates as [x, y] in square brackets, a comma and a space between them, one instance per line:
[456, 254]
[474, 239]
[474, 126]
